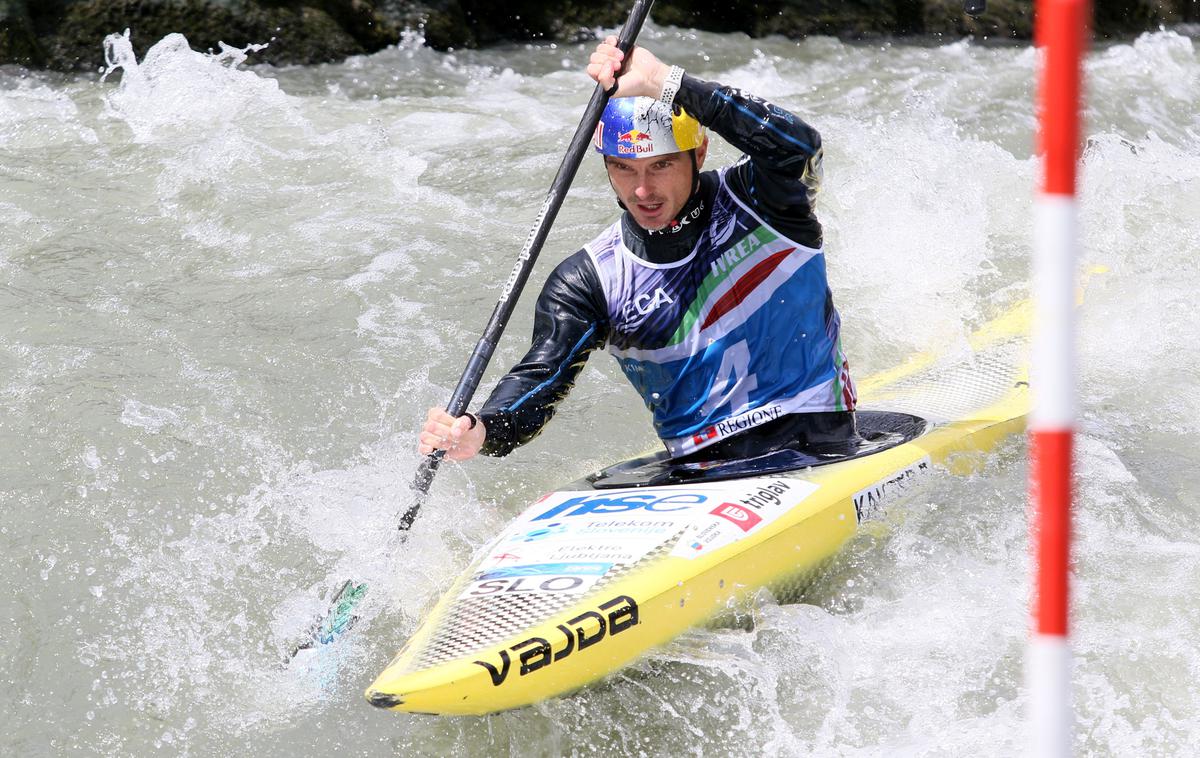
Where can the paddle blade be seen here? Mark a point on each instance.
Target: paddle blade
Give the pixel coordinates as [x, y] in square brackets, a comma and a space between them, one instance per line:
[337, 620]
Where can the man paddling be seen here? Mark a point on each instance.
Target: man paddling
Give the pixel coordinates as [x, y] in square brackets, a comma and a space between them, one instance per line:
[710, 290]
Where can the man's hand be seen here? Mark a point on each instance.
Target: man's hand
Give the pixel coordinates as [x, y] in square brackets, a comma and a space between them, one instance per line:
[644, 75]
[454, 435]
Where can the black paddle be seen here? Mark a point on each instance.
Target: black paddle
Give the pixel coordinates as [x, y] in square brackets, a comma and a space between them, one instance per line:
[478, 362]
[340, 617]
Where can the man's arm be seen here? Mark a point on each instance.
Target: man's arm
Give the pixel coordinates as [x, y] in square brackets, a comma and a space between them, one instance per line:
[569, 322]
[783, 173]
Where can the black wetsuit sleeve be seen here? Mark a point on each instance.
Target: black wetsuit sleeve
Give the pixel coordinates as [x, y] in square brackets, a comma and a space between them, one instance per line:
[781, 175]
[569, 322]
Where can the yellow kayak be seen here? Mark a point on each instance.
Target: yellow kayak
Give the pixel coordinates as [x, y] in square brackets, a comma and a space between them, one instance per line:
[589, 578]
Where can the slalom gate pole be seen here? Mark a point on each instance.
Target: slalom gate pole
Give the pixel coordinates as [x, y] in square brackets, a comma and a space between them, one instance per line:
[1062, 29]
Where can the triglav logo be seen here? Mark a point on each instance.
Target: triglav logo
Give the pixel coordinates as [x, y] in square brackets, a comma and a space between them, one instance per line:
[739, 516]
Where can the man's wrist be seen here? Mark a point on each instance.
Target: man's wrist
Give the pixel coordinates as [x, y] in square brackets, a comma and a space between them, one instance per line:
[670, 85]
[499, 435]
[658, 80]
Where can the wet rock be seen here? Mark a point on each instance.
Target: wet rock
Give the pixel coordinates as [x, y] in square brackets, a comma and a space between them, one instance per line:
[473, 23]
[853, 19]
[69, 32]
[451, 24]
[1113, 18]
[1003, 19]
[18, 40]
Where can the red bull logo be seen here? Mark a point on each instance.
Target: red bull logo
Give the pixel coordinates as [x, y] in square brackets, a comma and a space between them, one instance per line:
[635, 141]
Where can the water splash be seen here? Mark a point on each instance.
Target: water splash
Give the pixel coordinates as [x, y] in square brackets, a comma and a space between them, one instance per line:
[175, 90]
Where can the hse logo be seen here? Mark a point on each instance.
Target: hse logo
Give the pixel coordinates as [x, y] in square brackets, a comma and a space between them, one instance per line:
[739, 516]
[583, 631]
[622, 503]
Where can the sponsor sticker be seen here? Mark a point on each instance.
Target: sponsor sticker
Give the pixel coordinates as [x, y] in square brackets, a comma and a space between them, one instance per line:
[541, 532]
[633, 135]
[869, 502]
[737, 515]
[623, 501]
[536, 569]
[549, 578]
[570, 638]
[620, 527]
[744, 510]
[594, 551]
[705, 435]
[729, 426]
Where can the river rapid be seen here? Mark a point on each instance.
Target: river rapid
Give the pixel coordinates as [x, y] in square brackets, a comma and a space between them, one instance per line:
[228, 293]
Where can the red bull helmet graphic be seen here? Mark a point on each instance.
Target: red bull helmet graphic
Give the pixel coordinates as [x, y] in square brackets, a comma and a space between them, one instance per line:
[642, 127]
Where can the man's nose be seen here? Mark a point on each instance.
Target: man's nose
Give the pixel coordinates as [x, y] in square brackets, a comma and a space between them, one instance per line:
[643, 189]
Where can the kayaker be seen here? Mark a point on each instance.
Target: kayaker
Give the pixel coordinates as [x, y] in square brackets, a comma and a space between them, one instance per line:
[710, 289]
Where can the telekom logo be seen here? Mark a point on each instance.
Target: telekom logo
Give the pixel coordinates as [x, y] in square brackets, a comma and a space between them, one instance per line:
[744, 519]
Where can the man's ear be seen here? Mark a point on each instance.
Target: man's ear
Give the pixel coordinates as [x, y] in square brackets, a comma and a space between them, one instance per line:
[701, 153]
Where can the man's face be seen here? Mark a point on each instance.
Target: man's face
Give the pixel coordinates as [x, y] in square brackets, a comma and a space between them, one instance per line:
[654, 189]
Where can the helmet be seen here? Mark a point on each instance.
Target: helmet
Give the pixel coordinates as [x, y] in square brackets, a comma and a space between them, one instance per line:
[642, 127]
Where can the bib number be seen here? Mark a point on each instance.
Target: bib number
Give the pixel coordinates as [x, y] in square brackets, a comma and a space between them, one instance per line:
[733, 383]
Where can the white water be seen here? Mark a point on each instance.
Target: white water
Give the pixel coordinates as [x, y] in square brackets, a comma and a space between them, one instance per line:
[229, 294]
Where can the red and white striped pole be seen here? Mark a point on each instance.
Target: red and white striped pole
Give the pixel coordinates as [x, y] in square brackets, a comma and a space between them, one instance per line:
[1062, 33]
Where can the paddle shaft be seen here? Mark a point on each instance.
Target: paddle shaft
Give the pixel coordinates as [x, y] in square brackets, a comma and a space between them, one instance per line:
[486, 346]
